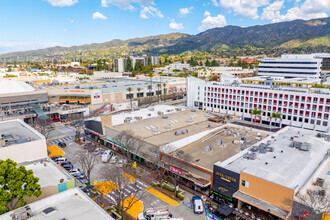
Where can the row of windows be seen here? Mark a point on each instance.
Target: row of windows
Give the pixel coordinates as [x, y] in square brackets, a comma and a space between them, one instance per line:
[270, 71]
[280, 62]
[287, 67]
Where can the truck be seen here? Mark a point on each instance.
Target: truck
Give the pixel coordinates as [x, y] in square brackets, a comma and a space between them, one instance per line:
[160, 213]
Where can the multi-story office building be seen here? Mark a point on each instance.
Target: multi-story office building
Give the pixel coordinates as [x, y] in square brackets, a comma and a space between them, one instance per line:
[300, 107]
[119, 65]
[289, 66]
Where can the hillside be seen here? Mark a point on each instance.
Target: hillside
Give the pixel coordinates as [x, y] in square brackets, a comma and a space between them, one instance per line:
[312, 35]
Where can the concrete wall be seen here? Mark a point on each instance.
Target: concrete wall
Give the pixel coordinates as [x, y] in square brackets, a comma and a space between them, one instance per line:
[273, 193]
[29, 151]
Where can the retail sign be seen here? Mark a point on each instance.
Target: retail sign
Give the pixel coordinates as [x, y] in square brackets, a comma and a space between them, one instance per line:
[175, 170]
[225, 177]
[76, 90]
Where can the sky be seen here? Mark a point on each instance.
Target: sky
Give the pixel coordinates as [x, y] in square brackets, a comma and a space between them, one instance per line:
[35, 24]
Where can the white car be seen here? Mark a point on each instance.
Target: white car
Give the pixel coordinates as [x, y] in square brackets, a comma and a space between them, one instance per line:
[121, 162]
[75, 171]
[113, 159]
[106, 156]
[97, 151]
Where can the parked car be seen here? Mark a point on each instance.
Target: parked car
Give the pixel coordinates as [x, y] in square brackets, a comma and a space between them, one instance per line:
[197, 205]
[87, 145]
[68, 167]
[121, 163]
[73, 171]
[113, 159]
[79, 175]
[97, 151]
[106, 156]
[61, 144]
[53, 158]
[101, 152]
[65, 162]
[62, 159]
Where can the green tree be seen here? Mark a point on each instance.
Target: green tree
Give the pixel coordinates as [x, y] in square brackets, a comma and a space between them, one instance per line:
[149, 61]
[16, 183]
[214, 63]
[138, 66]
[129, 90]
[164, 90]
[150, 92]
[207, 63]
[159, 86]
[138, 90]
[129, 66]
[257, 114]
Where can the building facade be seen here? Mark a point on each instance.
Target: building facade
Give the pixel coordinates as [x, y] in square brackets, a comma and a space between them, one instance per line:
[308, 108]
[307, 66]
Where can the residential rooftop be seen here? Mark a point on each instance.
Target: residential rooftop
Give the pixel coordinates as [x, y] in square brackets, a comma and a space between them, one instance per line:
[281, 163]
[17, 132]
[72, 204]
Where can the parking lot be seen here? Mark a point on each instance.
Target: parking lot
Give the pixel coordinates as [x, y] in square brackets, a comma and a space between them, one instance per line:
[149, 200]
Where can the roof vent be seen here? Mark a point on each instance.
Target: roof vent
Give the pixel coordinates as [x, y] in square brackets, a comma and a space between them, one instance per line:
[322, 192]
[266, 163]
[319, 182]
[282, 151]
[274, 157]
[48, 211]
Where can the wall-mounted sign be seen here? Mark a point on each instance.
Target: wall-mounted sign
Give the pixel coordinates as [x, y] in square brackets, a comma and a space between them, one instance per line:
[175, 170]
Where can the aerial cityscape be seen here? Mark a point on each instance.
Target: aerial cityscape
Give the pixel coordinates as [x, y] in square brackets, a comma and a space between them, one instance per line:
[165, 110]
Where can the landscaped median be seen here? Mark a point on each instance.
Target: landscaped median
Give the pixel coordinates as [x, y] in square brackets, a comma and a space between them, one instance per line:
[163, 197]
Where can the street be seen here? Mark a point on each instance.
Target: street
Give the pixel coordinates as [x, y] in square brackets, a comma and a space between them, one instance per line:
[66, 134]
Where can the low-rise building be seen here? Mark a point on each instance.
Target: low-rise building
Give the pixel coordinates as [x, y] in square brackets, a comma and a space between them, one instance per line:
[20, 142]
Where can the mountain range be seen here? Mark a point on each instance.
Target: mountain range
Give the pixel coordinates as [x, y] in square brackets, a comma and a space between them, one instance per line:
[300, 35]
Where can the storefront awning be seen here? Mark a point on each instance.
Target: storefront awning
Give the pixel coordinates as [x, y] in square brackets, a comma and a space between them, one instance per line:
[265, 206]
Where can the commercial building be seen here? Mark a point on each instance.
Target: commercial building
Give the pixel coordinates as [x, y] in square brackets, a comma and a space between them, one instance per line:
[268, 175]
[307, 66]
[120, 63]
[71, 204]
[299, 107]
[217, 72]
[20, 142]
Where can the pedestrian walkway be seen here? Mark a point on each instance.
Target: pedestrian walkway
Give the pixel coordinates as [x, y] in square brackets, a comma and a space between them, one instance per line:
[106, 187]
[64, 139]
[129, 177]
[163, 197]
[54, 150]
[136, 208]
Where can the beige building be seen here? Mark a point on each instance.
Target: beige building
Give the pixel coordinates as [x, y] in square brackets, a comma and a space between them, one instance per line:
[20, 142]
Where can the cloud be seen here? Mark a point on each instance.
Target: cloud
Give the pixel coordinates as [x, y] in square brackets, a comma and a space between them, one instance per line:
[185, 11]
[247, 8]
[12, 46]
[65, 30]
[98, 15]
[175, 26]
[149, 11]
[272, 11]
[207, 13]
[212, 22]
[71, 20]
[62, 3]
[126, 4]
[309, 9]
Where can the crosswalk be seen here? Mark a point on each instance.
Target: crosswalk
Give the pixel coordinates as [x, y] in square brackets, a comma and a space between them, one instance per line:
[131, 188]
[65, 139]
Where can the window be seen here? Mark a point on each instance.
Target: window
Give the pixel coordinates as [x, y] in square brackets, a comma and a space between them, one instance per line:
[325, 123]
[245, 183]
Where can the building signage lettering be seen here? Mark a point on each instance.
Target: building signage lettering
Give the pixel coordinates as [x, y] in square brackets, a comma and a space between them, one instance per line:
[225, 177]
[175, 170]
[76, 90]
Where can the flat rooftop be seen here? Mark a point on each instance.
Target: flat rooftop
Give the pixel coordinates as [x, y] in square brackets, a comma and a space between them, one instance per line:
[137, 117]
[72, 204]
[287, 166]
[221, 143]
[160, 129]
[49, 174]
[17, 132]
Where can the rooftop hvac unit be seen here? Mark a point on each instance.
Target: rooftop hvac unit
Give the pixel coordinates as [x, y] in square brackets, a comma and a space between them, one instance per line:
[262, 150]
[148, 114]
[178, 109]
[319, 182]
[305, 146]
[184, 131]
[168, 127]
[189, 121]
[22, 213]
[164, 117]
[180, 153]
[207, 148]
[251, 156]
[177, 132]
[210, 126]
[218, 143]
[151, 109]
[270, 149]
[127, 120]
[322, 192]
[254, 149]
[138, 117]
[193, 110]
[160, 113]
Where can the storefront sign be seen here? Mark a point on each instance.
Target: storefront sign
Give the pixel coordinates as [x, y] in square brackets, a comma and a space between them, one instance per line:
[175, 170]
[225, 177]
[77, 91]
[225, 182]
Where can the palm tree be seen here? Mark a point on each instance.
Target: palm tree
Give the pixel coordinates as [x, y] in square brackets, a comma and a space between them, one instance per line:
[164, 88]
[257, 114]
[159, 91]
[277, 115]
[150, 88]
[138, 89]
[129, 90]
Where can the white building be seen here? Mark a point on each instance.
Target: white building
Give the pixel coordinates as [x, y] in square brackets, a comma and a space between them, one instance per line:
[119, 65]
[179, 66]
[20, 142]
[308, 66]
[300, 107]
